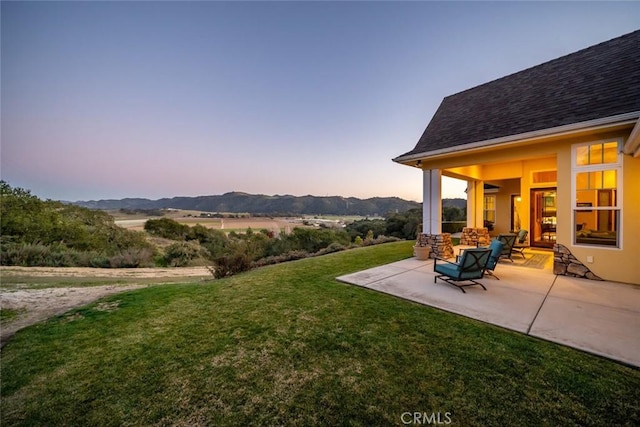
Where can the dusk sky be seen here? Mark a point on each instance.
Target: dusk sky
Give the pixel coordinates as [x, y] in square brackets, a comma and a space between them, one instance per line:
[160, 99]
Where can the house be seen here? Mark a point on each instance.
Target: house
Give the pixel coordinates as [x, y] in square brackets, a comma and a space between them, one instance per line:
[553, 149]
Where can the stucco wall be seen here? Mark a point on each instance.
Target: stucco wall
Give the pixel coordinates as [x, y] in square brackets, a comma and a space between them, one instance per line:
[508, 187]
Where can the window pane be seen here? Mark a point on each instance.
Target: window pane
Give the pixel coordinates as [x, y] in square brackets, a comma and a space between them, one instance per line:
[585, 196]
[582, 156]
[606, 198]
[595, 154]
[489, 202]
[586, 199]
[490, 208]
[597, 180]
[609, 179]
[582, 181]
[610, 152]
[597, 227]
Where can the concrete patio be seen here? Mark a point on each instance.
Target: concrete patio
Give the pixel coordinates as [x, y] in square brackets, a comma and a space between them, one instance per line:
[598, 317]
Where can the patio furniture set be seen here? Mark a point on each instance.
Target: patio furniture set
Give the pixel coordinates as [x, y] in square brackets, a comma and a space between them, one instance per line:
[473, 263]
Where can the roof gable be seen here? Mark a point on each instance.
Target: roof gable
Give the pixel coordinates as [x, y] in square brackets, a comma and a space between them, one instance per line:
[596, 82]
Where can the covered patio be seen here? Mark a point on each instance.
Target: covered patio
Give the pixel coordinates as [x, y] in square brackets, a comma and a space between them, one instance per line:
[598, 317]
[557, 160]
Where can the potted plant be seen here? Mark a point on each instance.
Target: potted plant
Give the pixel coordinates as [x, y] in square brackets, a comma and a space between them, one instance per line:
[422, 248]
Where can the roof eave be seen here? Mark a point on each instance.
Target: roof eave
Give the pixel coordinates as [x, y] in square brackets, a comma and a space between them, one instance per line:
[632, 145]
[565, 130]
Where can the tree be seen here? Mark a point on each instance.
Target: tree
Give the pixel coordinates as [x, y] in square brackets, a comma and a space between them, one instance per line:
[452, 213]
[167, 228]
[404, 225]
[60, 232]
[362, 227]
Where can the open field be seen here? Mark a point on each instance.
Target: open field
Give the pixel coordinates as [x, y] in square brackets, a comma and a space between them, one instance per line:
[191, 218]
[289, 345]
[283, 224]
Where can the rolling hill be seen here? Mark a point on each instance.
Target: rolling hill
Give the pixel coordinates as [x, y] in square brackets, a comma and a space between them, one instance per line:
[238, 202]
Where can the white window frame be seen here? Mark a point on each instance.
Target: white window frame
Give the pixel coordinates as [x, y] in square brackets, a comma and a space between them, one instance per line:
[484, 205]
[575, 169]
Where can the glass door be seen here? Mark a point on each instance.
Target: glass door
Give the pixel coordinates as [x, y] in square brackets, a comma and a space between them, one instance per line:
[543, 217]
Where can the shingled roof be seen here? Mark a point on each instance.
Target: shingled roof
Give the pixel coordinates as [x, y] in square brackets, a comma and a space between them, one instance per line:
[593, 83]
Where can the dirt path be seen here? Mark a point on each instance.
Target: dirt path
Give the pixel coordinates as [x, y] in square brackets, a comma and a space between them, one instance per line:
[140, 273]
[37, 305]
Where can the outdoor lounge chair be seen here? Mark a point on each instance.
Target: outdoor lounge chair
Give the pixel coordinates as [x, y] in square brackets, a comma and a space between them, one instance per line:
[508, 241]
[496, 249]
[521, 242]
[471, 266]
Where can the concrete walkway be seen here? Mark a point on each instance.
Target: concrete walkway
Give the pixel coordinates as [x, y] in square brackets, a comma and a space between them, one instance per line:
[602, 318]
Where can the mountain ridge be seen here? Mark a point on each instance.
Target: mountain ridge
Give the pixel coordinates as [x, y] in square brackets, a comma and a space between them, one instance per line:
[240, 202]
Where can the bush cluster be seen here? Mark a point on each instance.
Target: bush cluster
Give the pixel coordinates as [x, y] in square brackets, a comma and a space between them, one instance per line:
[38, 254]
[181, 254]
[50, 233]
[166, 228]
[228, 265]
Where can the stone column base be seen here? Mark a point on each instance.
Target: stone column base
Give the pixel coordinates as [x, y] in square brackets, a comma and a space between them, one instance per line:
[565, 264]
[441, 246]
[475, 236]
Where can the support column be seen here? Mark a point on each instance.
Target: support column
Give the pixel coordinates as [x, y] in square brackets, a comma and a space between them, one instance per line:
[475, 204]
[432, 235]
[426, 201]
[471, 204]
[436, 201]
[431, 201]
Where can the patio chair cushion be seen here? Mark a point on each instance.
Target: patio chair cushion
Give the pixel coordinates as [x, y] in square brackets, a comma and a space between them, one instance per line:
[496, 249]
[448, 269]
[471, 266]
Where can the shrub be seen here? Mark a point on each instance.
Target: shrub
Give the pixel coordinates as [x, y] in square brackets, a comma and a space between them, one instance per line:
[131, 258]
[385, 239]
[39, 255]
[312, 240]
[50, 233]
[229, 265]
[100, 261]
[276, 259]
[167, 228]
[24, 254]
[181, 254]
[334, 247]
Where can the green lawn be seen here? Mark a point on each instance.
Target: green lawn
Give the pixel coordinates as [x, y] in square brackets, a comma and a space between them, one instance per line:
[289, 345]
